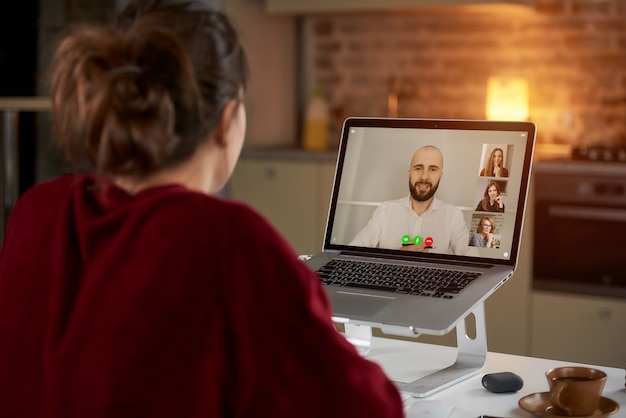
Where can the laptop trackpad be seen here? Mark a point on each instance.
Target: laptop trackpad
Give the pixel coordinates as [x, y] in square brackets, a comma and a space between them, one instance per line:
[361, 305]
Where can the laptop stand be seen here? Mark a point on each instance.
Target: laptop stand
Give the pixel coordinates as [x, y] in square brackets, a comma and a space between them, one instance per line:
[471, 355]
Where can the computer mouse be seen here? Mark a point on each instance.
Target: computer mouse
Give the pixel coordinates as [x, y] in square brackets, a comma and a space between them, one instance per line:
[503, 382]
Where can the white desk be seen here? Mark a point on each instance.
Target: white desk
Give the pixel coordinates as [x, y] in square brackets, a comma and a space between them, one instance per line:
[405, 361]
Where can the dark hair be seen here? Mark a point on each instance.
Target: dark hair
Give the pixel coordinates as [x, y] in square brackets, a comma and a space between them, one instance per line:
[142, 95]
[484, 203]
[489, 163]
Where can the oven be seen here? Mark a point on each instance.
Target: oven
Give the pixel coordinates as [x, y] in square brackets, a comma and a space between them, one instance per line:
[580, 227]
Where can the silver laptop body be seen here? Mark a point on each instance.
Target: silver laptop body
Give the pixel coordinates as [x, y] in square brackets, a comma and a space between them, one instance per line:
[373, 163]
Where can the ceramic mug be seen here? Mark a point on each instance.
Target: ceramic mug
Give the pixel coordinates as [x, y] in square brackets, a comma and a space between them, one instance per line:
[575, 391]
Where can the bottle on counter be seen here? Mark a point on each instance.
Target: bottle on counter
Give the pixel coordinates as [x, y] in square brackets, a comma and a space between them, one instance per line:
[315, 126]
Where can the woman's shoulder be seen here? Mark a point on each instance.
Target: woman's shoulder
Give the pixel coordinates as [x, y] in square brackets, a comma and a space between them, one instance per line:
[49, 191]
[477, 239]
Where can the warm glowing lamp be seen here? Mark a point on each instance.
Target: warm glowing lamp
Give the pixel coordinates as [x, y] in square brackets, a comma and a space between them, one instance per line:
[507, 98]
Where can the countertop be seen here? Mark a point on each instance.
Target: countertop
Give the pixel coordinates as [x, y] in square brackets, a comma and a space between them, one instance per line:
[24, 104]
[285, 153]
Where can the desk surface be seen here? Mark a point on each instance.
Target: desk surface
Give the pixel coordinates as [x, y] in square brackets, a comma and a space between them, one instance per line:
[405, 361]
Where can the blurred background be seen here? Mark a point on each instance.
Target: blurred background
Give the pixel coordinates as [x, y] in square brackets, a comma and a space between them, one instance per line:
[558, 63]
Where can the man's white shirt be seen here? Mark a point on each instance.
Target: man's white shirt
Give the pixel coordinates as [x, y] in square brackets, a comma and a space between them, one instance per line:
[394, 219]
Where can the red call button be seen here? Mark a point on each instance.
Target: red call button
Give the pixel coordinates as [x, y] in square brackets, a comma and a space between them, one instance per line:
[428, 241]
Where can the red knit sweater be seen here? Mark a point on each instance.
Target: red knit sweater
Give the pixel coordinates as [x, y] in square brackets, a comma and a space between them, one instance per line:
[170, 304]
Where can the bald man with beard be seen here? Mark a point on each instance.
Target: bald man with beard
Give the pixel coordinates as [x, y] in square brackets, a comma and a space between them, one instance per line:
[420, 213]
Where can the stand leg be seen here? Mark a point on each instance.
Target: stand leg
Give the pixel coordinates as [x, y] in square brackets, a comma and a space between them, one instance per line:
[360, 336]
[471, 357]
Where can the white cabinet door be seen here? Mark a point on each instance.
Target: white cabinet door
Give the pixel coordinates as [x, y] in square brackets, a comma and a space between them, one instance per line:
[325, 176]
[292, 195]
[576, 328]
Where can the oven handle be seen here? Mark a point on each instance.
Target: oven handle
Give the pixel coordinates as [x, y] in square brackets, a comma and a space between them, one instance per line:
[605, 214]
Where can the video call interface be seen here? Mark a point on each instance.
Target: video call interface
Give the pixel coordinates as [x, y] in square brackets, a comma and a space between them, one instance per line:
[480, 176]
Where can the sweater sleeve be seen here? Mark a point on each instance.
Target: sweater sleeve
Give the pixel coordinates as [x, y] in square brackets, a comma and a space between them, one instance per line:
[287, 357]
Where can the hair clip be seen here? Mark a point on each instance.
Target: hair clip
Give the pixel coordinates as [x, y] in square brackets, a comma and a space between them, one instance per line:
[123, 69]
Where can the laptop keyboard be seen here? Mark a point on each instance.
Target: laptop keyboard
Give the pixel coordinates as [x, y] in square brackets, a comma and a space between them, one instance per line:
[438, 283]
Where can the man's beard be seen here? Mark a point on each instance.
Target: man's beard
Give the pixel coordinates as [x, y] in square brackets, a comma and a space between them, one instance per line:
[425, 196]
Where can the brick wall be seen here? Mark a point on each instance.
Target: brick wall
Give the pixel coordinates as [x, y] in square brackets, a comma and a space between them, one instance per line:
[572, 52]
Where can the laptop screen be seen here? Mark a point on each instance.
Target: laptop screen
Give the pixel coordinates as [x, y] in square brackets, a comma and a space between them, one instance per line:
[431, 188]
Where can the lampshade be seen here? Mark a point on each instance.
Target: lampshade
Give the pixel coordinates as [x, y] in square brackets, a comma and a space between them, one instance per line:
[507, 98]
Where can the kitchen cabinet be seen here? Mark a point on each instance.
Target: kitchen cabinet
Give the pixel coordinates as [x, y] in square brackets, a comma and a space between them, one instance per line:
[318, 6]
[577, 328]
[293, 194]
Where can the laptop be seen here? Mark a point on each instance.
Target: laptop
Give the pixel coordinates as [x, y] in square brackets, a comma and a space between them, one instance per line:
[372, 173]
